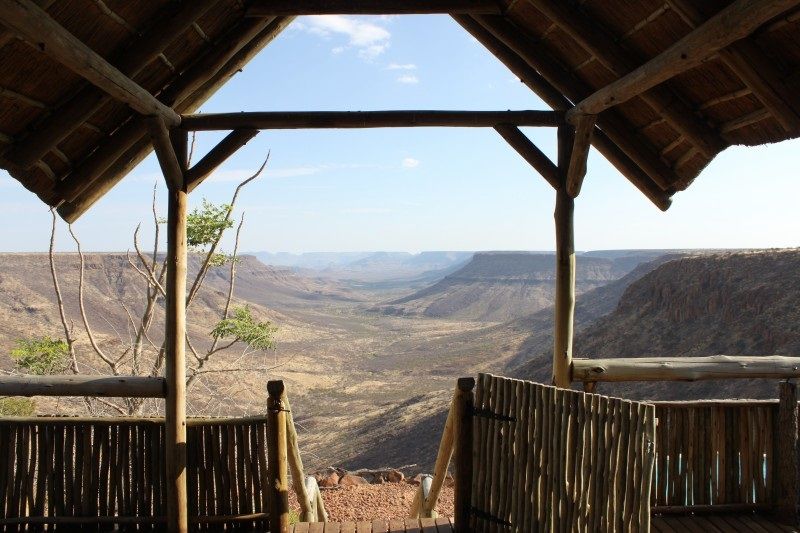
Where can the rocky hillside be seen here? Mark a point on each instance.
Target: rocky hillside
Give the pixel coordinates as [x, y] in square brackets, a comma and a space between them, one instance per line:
[742, 303]
[503, 286]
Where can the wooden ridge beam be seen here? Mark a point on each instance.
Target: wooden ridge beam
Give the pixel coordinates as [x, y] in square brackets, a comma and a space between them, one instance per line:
[217, 155]
[77, 385]
[270, 120]
[530, 153]
[611, 123]
[264, 8]
[101, 170]
[582, 140]
[685, 368]
[553, 97]
[130, 62]
[620, 61]
[736, 21]
[38, 28]
[754, 68]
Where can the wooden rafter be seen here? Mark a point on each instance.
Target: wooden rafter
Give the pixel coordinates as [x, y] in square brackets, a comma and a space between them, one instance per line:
[555, 99]
[734, 22]
[38, 28]
[58, 125]
[183, 94]
[756, 70]
[269, 120]
[530, 152]
[620, 61]
[263, 8]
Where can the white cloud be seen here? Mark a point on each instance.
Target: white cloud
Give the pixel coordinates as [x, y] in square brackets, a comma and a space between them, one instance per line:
[408, 79]
[410, 162]
[401, 66]
[370, 40]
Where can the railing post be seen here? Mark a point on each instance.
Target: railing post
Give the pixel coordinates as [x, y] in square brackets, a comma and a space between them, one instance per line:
[278, 495]
[787, 465]
[463, 405]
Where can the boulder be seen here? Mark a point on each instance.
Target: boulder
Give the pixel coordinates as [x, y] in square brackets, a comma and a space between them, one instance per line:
[327, 479]
[351, 480]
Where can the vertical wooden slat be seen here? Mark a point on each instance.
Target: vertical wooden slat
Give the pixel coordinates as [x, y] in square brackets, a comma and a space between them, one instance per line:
[463, 405]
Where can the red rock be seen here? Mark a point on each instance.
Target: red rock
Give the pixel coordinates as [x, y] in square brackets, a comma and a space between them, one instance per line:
[350, 480]
[395, 476]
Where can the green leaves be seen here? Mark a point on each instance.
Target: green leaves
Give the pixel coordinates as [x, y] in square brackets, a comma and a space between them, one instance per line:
[206, 224]
[41, 356]
[243, 327]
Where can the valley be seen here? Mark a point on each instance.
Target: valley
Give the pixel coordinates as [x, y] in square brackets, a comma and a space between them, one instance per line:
[370, 354]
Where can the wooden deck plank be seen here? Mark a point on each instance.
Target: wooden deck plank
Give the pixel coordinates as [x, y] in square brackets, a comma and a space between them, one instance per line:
[380, 526]
[348, 527]
[428, 525]
[364, 527]
[413, 525]
[443, 525]
[301, 527]
[397, 526]
[332, 527]
[316, 527]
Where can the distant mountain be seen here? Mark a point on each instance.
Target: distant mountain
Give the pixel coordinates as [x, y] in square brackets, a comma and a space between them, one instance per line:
[732, 303]
[311, 260]
[369, 267]
[503, 286]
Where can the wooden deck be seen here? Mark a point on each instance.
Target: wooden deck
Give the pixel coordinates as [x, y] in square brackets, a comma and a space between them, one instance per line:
[731, 523]
[717, 523]
[408, 525]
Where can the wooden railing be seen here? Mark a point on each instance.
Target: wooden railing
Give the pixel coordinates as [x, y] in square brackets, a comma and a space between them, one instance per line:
[63, 471]
[107, 472]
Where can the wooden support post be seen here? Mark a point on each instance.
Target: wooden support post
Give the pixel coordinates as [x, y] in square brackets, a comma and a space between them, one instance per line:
[787, 471]
[734, 22]
[175, 342]
[277, 453]
[38, 28]
[463, 407]
[565, 267]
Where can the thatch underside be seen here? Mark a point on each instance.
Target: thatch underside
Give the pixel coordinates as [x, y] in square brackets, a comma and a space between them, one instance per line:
[70, 143]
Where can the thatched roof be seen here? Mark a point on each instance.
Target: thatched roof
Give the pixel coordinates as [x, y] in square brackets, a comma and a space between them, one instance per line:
[181, 52]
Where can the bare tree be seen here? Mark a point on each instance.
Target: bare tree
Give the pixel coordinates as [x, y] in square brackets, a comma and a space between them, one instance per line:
[136, 352]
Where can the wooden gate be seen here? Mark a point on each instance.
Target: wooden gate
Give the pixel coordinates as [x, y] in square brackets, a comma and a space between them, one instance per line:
[550, 459]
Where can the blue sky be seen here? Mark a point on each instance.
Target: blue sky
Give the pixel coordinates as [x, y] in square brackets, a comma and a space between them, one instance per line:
[421, 189]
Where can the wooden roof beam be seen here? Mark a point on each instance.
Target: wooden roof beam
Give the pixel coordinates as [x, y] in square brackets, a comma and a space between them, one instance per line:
[38, 28]
[367, 119]
[131, 61]
[617, 129]
[757, 71]
[553, 97]
[165, 152]
[217, 155]
[265, 8]
[735, 22]
[530, 153]
[620, 61]
[581, 141]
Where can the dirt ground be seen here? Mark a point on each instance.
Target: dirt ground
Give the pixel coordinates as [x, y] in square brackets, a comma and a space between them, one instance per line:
[367, 502]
